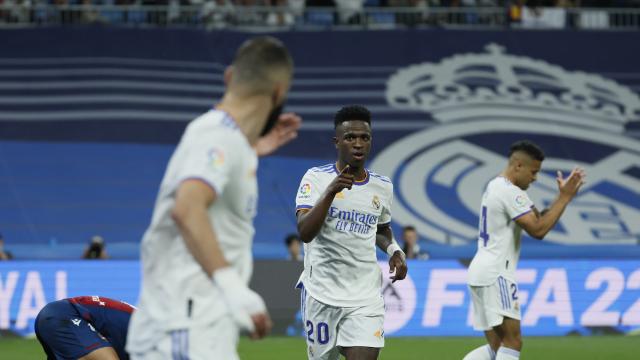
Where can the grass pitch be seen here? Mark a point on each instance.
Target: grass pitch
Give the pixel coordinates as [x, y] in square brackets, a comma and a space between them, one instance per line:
[436, 348]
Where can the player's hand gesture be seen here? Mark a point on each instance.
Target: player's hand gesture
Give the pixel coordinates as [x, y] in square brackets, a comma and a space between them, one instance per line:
[344, 180]
[398, 264]
[570, 185]
[285, 130]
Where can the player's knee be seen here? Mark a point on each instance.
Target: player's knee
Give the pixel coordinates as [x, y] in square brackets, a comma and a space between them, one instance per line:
[513, 341]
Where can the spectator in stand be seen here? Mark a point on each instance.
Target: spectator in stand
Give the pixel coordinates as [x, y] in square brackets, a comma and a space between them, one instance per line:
[4, 254]
[349, 11]
[411, 247]
[281, 15]
[293, 247]
[410, 18]
[95, 249]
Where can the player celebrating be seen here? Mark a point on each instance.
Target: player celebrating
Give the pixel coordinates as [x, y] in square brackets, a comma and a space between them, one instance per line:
[84, 328]
[344, 211]
[196, 254]
[506, 210]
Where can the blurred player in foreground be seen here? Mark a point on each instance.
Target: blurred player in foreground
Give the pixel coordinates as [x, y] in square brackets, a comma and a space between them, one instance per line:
[506, 209]
[84, 328]
[196, 254]
[344, 211]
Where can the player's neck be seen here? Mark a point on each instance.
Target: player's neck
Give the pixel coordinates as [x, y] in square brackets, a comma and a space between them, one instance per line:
[249, 113]
[508, 175]
[359, 173]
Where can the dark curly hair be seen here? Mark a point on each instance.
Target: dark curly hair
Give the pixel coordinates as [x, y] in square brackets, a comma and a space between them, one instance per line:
[352, 112]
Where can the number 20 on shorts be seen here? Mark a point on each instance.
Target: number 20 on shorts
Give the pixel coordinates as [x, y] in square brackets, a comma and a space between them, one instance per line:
[321, 334]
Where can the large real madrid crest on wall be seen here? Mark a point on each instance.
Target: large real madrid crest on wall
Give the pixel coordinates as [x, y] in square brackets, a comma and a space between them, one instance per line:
[486, 101]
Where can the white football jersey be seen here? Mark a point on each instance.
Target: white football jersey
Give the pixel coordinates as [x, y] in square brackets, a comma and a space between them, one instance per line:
[340, 265]
[499, 234]
[175, 291]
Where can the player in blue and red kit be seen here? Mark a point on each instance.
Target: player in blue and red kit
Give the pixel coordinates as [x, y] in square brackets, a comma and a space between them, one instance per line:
[84, 328]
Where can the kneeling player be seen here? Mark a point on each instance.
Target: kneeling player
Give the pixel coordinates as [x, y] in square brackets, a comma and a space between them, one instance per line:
[84, 328]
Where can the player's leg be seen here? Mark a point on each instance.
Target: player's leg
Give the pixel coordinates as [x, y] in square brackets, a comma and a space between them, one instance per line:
[494, 341]
[361, 332]
[509, 332]
[481, 320]
[360, 353]
[320, 323]
[64, 334]
[509, 329]
[105, 353]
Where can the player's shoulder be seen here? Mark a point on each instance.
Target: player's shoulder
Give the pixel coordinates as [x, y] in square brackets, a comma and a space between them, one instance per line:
[322, 169]
[214, 123]
[379, 179]
[501, 186]
[500, 182]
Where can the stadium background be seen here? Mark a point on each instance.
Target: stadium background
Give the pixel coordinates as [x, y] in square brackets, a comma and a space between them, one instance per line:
[89, 117]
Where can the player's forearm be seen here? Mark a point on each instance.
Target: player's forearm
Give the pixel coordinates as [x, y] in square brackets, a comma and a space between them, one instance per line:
[310, 222]
[548, 220]
[384, 238]
[197, 232]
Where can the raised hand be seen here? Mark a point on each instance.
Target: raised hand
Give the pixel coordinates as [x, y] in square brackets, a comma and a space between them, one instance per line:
[285, 130]
[344, 180]
[570, 185]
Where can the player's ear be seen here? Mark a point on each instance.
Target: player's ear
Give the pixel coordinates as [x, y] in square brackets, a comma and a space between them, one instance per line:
[228, 75]
[281, 89]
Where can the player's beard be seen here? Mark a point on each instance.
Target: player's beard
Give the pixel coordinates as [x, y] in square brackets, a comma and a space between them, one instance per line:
[272, 119]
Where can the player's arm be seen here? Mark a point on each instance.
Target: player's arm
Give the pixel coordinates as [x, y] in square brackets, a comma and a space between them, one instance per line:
[310, 220]
[538, 225]
[190, 213]
[397, 262]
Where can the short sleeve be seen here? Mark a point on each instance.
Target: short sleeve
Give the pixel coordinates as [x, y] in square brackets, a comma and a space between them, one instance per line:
[517, 202]
[308, 192]
[209, 160]
[385, 217]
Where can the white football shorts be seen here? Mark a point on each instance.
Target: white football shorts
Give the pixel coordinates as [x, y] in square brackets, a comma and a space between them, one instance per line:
[219, 340]
[494, 302]
[328, 328]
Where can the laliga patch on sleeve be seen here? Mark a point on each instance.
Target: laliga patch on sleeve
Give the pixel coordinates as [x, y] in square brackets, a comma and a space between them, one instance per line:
[215, 158]
[521, 200]
[305, 191]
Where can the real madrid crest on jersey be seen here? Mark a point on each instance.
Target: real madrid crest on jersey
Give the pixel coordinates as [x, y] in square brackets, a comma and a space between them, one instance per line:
[485, 101]
[375, 202]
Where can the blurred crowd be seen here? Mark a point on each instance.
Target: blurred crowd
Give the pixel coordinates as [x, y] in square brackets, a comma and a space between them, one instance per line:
[222, 13]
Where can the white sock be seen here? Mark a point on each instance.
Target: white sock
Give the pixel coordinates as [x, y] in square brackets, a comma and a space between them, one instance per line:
[482, 353]
[504, 353]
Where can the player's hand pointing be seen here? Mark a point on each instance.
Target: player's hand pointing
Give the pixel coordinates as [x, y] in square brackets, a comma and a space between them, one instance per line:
[344, 180]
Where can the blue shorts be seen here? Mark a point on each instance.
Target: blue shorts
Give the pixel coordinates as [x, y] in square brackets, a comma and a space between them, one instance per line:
[64, 334]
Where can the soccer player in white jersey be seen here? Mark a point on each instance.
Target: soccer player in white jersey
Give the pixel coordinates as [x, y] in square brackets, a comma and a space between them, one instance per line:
[505, 211]
[344, 211]
[196, 253]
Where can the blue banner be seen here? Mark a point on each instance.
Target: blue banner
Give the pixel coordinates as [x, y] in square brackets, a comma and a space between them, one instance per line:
[556, 297]
[86, 129]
